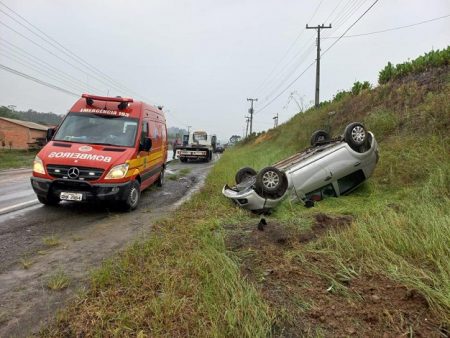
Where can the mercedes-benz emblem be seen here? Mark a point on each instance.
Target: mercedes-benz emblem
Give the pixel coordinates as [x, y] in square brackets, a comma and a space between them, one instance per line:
[73, 172]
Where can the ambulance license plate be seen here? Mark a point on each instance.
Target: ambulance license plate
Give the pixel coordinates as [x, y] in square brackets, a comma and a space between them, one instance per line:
[71, 196]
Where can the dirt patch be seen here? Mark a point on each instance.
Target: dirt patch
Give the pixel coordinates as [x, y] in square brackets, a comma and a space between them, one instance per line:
[263, 137]
[312, 296]
[322, 224]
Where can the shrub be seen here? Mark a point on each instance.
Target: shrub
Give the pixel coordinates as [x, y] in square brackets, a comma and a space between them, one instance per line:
[435, 58]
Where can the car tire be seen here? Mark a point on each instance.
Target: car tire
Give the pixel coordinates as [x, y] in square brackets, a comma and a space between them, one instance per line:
[133, 197]
[355, 135]
[183, 159]
[160, 180]
[244, 173]
[50, 200]
[318, 137]
[271, 182]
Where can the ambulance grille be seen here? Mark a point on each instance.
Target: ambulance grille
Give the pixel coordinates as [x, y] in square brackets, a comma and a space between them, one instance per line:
[85, 173]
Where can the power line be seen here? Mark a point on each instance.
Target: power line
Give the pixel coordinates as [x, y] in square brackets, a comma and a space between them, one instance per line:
[345, 13]
[29, 77]
[105, 79]
[354, 23]
[288, 50]
[37, 69]
[36, 60]
[61, 48]
[52, 53]
[311, 64]
[391, 29]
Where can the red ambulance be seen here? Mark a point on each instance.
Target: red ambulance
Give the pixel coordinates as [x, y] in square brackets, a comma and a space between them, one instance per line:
[106, 148]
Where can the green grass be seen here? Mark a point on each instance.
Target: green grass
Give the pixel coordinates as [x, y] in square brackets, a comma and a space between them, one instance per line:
[51, 241]
[10, 159]
[182, 280]
[58, 281]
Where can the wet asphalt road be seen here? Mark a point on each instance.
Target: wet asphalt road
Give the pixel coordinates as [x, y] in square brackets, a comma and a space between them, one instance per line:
[15, 190]
[83, 236]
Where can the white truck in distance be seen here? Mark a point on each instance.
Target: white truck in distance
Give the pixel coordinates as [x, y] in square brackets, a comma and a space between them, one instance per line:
[197, 145]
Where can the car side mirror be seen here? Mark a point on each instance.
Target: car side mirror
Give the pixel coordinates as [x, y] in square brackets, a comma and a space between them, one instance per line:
[147, 144]
[50, 133]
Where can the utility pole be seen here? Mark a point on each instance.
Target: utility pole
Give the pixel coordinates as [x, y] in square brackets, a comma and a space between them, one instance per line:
[247, 120]
[318, 27]
[251, 114]
[275, 121]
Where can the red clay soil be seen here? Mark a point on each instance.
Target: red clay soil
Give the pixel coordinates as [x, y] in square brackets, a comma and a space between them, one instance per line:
[310, 296]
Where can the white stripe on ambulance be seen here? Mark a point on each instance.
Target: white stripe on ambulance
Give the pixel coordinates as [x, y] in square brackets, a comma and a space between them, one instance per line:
[80, 156]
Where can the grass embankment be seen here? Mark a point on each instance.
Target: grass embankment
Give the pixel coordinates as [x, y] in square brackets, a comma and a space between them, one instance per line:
[10, 159]
[183, 280]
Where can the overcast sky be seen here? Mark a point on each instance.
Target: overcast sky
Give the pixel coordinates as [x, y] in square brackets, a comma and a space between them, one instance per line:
[202, 59]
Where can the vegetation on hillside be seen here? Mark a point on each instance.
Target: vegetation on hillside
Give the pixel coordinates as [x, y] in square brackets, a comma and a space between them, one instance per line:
[433, 59]
[49, 119]
[198, 275]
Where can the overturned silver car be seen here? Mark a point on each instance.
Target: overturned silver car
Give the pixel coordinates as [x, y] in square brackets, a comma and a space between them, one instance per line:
[330, 167]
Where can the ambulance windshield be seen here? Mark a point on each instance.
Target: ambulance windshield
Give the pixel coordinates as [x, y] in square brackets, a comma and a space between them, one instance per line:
[98, 129]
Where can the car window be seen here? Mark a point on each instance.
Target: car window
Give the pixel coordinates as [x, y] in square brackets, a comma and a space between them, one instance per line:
[321, 193]
[349, 182]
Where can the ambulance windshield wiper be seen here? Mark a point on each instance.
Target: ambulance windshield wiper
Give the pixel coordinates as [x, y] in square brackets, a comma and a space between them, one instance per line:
[107, 144]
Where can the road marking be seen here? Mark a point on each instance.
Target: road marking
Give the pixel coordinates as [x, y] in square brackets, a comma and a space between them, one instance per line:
[18, 206]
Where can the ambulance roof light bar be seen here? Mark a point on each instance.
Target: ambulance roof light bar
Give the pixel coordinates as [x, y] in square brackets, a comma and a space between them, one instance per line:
[123, 101]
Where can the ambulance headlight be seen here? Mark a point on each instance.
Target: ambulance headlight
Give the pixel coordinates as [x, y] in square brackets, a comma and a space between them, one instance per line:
[118, 171]
[38, 166]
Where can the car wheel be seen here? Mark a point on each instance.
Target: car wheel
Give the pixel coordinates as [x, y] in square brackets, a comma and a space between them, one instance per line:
[244, 173]
[271, 182]
[183, 159]
[355, 135]
[319, 136]
[50, 200]
[160, 181]
[133, 197]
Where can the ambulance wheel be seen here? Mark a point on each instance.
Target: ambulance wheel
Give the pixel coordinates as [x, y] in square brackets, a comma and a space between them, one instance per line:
[48, 200]
[160, 181]
[133, 198]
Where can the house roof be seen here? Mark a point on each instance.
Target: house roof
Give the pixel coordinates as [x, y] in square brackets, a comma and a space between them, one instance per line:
[27, 124]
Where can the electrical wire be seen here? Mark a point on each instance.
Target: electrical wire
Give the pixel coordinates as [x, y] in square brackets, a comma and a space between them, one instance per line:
[38, 61]
[391, 29]
[344, 14]
[287, 51]
[37, 69]
[31, 78]
[311, 64]
[54, 43]
[107, 80]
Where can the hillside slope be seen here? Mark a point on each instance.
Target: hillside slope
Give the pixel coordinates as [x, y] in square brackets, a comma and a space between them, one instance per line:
[372, 263]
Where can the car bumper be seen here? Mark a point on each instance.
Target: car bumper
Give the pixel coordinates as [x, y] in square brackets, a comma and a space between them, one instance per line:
[249, 199]
[115, 192]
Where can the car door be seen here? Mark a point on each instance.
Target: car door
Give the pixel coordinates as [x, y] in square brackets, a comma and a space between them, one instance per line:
[307, 177]
[341, 163]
